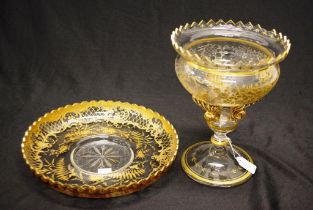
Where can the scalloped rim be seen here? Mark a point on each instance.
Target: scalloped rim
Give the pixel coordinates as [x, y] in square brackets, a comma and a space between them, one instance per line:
[195, 58]
[96, 191]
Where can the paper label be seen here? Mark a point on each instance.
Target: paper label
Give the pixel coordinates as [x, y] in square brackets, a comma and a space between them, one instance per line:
[104, 170]
[246, 164]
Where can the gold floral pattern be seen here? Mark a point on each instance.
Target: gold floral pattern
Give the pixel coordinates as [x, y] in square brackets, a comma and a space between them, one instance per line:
[48, 141]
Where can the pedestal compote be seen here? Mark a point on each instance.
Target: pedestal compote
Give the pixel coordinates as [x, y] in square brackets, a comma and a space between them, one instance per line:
[226, 66]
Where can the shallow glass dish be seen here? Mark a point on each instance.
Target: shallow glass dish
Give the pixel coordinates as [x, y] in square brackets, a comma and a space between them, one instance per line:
[100, 149]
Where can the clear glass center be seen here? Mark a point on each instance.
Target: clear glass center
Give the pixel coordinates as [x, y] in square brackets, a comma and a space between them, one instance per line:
[101, 155]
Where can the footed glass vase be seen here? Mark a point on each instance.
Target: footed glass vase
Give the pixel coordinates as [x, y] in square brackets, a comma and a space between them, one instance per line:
[226, 66]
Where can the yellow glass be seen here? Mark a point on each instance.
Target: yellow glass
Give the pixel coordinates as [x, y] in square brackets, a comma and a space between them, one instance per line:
[226, 67]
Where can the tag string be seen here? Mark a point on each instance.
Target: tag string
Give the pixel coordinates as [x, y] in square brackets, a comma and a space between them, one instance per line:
[235, 153]
[241, 160]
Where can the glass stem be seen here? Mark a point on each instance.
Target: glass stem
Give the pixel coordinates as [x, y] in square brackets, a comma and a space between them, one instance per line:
[219, 137]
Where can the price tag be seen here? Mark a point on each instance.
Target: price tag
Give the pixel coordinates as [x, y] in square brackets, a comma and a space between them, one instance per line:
[246, 164]
[104, 170]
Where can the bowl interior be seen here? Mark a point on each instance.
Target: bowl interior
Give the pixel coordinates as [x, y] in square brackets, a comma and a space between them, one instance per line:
[229, 46]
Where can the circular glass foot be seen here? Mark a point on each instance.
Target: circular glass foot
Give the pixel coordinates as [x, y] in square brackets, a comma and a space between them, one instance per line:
[100, 155]
[214, 166]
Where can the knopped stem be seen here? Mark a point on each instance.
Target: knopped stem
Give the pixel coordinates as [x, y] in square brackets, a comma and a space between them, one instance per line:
[223, 120]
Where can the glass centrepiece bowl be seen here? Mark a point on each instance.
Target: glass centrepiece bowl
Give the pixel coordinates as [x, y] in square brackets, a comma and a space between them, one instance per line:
[226, 67]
